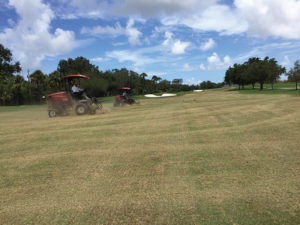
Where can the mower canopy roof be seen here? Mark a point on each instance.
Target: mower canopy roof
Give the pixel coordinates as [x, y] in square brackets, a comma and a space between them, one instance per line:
[125, 88]
[76, 76]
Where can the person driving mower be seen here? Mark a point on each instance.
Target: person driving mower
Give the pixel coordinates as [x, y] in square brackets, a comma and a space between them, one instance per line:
[124, 99]
[78, 92]
[73, 98]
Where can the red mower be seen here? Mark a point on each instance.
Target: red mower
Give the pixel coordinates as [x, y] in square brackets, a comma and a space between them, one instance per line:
[123, 99]
[72, 99]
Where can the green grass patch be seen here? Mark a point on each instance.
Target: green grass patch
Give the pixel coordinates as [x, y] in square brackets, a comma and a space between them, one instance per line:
[20, 108]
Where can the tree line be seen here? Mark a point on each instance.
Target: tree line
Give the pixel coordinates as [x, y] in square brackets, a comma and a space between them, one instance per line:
[253, 71]
[15, 90]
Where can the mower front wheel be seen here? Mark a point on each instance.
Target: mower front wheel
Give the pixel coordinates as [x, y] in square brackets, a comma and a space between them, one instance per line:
[51, 113]
[80, 109]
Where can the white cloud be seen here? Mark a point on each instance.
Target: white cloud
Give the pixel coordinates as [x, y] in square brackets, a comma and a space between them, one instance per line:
[271, 17]
[97, 59]
[168, 36]
[276, 18]
[187, 67]
[151, 73]
[114, 31]
[131, 32]
[31, 40]
[215, 63]
[199, 15]
[257, 17]
[177, 47]
[202, 67]
[160, 8]
[74, 9]
[220, 18]
[208, 45]
[286, 61]
[192, 81]
[136, 57]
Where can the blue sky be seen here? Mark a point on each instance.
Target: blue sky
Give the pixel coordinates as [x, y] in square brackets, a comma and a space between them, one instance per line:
[193, 39]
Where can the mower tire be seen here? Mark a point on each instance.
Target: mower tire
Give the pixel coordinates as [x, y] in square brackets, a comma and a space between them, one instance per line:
[51, 113]
[80, 109]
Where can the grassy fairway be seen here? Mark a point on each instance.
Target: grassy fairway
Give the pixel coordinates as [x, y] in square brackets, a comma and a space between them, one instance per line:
[217, 157]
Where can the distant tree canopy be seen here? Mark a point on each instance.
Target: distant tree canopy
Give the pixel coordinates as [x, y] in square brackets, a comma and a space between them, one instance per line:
[254, 71]
[15, 90]
[210, 85]
[294, 73]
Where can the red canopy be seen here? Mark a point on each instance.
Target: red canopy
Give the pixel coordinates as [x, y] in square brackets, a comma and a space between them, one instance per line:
[125, 88]
[77, 76]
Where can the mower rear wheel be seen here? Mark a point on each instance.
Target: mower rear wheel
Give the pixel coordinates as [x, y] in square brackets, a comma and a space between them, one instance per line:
[51, 113]
[80, 109]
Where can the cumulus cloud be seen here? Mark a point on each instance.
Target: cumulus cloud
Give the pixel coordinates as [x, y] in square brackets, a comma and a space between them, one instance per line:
[215, 63]
[130, 31]
[31, 40]
[177, 47]
[208, 45]
[257, 17]
[271, 17]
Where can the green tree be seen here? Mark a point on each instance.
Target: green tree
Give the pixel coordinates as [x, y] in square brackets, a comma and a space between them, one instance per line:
[274, 71]
[38, 85]
[18, 90]
[254, 70]
[236, 75]
[267, 70]
[294, 73]
[55, 81]
[7, 67]
[143, 77]
[79, 65]
[251, 71]
[164, 85]
[7, 71]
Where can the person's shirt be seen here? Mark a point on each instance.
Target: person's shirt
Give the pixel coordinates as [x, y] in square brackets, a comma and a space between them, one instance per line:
[76, 89]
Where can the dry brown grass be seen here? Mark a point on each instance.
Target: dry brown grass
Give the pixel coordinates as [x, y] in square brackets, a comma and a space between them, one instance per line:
[217, 157]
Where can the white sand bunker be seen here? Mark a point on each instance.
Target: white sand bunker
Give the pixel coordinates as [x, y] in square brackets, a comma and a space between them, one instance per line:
[161, 96]
[198, 90]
